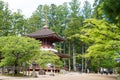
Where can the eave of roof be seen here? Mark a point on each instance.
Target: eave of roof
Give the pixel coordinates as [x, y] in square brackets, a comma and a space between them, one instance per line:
[63, 55]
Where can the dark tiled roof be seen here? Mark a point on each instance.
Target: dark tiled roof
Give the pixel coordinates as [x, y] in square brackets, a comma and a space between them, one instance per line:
[42, 32]
[45, 32]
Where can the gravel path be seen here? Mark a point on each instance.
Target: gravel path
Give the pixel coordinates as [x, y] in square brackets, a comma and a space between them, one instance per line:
[67, 76]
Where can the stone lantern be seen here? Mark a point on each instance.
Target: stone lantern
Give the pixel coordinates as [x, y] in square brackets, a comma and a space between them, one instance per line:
[52, 70]
[34, 74]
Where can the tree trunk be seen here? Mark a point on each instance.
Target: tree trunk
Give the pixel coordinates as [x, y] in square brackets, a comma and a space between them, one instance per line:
[69, 58]
[64, 53]
[3, 72]
[86, 61]
[16, 65]
[82, 58]
[85, 58]
[74, 58]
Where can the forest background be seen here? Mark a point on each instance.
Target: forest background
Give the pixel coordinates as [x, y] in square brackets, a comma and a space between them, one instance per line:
[91, 32]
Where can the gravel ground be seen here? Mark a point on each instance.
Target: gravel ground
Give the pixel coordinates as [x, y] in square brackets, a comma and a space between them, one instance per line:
[67, 76]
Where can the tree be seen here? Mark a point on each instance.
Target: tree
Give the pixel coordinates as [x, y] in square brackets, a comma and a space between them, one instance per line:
[46, 57]
[37, 20]
[73, 26]
[87, 10]
[109, 10]
[5, 19]
[16, 50]
[11, 23]
[75, 8]
[98, 11]
[58, 18]
[112, 11]
[18, 24]
[103, 39]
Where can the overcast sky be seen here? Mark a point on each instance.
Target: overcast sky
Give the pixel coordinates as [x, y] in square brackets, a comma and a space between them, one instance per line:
[29, 6]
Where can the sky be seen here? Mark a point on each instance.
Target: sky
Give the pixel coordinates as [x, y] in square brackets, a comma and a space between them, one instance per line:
[29, 6]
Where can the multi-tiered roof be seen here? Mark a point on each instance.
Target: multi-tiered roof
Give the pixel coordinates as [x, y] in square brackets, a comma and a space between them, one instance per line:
[46, 33]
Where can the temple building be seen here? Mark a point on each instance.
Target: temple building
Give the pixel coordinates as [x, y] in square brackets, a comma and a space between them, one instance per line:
[48, 38]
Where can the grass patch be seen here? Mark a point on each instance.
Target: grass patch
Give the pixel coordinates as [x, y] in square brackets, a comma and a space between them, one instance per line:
[15, 75]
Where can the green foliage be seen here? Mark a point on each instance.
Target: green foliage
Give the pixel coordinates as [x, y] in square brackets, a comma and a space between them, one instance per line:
[73, 30]
[37, 20]
[112, 11]
[98, 11]
[97, 30]
[17, 50]
[11, 23]
[75, 8]
[87, 10]
[109, 10]
[46, 57]
[104, 42]
[18, 24]
[5, 19]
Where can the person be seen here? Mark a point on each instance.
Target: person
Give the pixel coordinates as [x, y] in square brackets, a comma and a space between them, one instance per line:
[105, 71]
[88, 70]
[101, 70]
[110, 71]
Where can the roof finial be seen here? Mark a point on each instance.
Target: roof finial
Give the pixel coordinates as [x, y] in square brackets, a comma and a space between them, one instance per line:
[45, 26]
